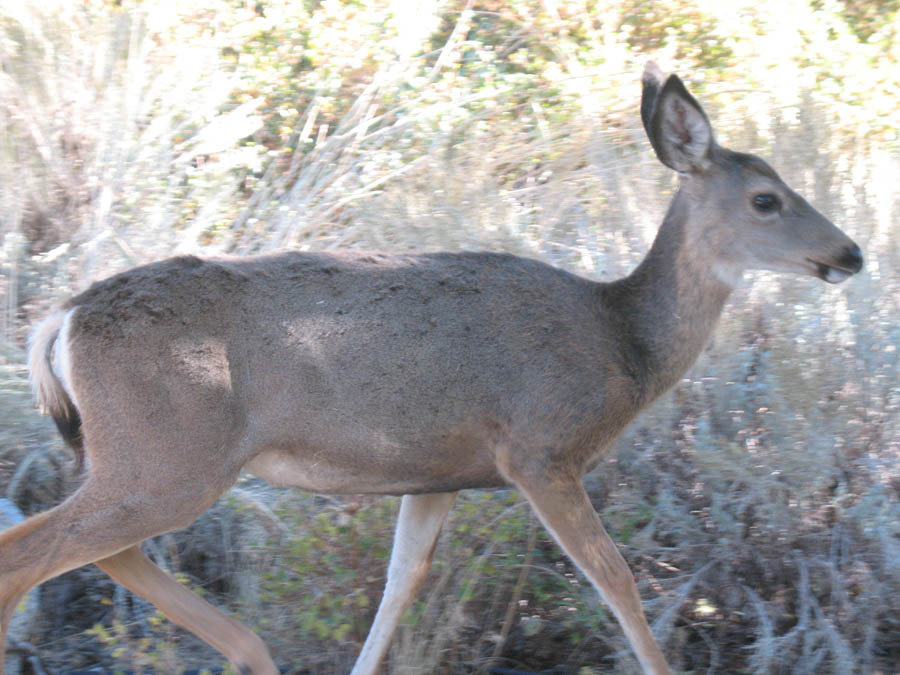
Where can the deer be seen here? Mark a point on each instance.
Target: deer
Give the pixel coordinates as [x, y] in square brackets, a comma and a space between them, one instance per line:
[394, 374]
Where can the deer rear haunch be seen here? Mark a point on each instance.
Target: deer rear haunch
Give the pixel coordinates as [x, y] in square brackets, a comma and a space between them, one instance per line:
[418, 375]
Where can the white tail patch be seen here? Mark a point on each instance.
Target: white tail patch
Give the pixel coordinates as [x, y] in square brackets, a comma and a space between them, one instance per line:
[49, 363]
[61, 358]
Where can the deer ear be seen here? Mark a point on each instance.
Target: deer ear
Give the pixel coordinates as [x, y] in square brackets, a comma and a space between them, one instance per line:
[652, 81]
[675, 123]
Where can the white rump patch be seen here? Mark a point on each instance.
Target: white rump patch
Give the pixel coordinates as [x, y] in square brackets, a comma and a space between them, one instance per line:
[61, 357]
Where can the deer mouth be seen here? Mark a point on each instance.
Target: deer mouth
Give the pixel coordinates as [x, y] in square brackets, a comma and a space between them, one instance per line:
[841, 269]
[833, 274]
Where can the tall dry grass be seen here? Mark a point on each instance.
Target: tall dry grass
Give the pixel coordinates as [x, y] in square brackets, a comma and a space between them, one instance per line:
[757, 503]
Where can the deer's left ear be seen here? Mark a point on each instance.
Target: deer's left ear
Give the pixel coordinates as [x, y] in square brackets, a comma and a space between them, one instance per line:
[676, 125]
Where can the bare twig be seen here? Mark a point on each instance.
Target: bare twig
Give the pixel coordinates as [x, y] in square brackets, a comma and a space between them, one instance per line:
[513, 605]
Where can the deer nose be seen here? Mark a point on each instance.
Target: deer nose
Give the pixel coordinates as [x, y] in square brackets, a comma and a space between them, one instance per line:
[852, 260]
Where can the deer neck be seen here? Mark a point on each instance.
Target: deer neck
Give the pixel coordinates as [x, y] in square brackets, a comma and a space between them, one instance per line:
[667, 308]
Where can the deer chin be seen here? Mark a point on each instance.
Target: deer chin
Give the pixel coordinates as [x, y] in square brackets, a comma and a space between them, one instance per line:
[730, 275]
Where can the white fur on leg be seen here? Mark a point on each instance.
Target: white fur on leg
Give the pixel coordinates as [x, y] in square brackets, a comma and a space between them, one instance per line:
[418, 525]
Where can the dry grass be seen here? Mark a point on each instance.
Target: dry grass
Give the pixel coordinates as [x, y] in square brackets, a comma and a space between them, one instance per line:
[757, 503]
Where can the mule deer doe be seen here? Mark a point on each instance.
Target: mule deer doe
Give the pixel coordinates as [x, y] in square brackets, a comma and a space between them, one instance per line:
[417, 375]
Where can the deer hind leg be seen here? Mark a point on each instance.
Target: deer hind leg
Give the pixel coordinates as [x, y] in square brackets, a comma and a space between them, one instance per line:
[418, 525]
[565, 510]
[76, 532]
[137, 573]
[13, 587]
[99, 521]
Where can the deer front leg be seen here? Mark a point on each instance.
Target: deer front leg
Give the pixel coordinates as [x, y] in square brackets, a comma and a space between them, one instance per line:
[565, 510]
[418, 525]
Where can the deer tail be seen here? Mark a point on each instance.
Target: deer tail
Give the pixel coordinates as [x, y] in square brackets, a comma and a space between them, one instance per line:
[47, 357]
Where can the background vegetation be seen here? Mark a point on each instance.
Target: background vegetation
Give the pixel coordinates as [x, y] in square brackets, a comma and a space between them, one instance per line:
[757, 503]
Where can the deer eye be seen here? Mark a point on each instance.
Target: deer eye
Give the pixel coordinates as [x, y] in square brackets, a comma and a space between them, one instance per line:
[766, 203]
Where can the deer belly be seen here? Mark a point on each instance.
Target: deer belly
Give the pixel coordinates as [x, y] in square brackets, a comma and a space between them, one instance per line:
[337, 472]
